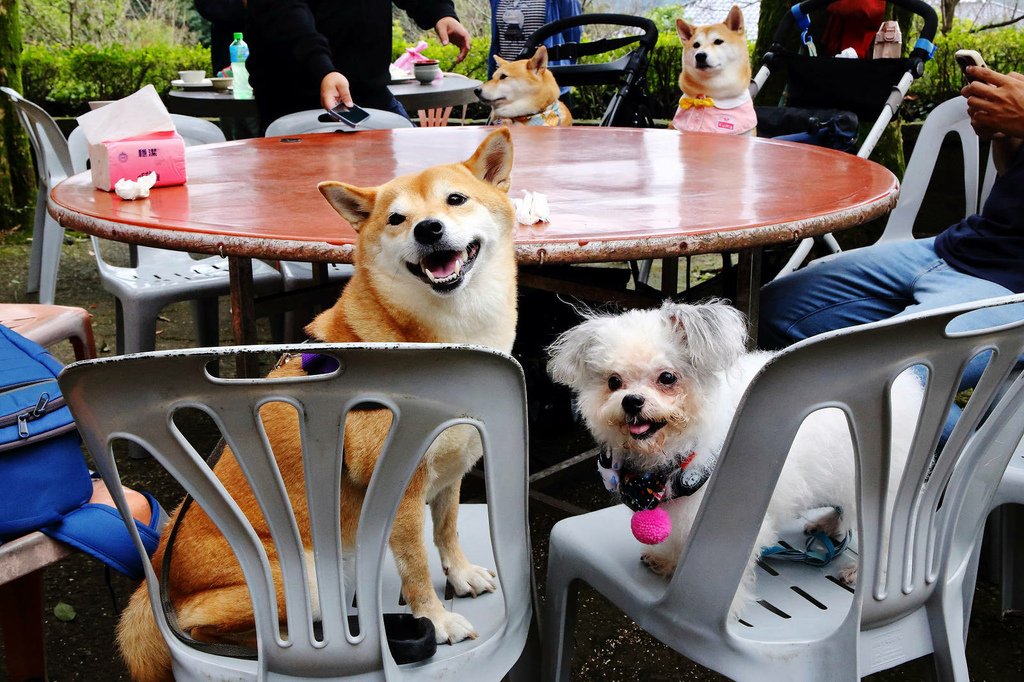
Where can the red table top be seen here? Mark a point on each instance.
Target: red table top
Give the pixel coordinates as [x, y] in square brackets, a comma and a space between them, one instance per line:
[615, 193]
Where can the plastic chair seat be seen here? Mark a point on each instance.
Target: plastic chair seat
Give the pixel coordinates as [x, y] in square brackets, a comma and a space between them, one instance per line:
[50, 324]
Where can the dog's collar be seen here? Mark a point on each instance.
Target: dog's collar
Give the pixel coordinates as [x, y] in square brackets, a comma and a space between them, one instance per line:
[549, 116]
[642, 490]
[686, 102]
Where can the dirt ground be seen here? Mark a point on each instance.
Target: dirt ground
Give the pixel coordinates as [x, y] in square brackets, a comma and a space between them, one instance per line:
[610, 646]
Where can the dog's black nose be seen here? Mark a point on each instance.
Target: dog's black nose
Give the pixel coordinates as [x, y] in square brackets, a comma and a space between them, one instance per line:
[477, 91]
[701, 57]
[633, 403]
[428, 231]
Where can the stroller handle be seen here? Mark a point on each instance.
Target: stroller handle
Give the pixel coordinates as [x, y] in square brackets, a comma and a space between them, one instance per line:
[649, 38]
[918, 56]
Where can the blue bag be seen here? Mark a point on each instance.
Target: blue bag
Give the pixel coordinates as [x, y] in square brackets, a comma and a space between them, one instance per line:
[42, 473]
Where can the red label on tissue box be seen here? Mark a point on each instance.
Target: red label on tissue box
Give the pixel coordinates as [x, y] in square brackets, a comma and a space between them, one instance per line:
[136, 156]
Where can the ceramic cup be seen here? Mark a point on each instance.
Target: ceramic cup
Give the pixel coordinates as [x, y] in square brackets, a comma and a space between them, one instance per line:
[191, 76]
[426, 72]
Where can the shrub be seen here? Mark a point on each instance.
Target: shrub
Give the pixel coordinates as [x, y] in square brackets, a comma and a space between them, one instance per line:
[63, 80]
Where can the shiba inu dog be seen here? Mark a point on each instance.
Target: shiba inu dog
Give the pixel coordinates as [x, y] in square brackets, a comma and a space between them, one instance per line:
[524, 92]
[434, 262]
[715, 77]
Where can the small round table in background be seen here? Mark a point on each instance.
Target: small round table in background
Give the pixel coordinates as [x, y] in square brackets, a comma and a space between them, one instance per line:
[432, 102]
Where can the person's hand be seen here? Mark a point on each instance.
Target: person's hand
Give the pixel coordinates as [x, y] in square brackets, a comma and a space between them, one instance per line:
[334, 91]
[995, 102]
[449, 30]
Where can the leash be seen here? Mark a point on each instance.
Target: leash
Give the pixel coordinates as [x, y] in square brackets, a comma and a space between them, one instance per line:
[819, 550]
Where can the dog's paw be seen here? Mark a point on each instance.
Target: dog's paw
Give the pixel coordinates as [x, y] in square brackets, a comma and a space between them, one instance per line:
[830, 523]
[848, 575]
[450, 628]
[658, 564]
[471, 580]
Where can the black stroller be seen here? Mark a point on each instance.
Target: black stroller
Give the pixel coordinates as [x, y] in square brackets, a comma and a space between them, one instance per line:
[827, 96]
[629, 106]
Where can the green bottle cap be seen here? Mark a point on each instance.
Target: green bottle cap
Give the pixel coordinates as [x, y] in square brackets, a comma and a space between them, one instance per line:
[238, 36]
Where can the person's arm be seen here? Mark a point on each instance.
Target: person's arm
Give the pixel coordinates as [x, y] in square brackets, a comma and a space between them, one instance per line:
[995, 103]
[291, 23]
[439, 15]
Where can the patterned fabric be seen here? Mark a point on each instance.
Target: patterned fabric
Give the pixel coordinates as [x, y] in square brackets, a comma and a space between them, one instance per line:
[643, 490]
[551, 117]
[517, 19]
[731, 117]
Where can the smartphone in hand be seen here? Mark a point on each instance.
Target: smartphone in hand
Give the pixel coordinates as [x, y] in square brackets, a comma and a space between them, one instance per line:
[967, 58]
[353, 115]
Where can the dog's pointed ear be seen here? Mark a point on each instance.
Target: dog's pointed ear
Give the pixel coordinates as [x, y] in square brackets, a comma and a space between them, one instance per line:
[713, 334]
[499, 62]
[355, 204]
[734, 21]
[539, 61]
[684, 30]
[567, 355]
[492, 161]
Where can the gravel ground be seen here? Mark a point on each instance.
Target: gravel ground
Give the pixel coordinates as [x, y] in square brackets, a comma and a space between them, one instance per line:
[610, 646]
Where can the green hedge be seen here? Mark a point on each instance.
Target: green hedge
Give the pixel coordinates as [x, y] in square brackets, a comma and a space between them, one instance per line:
[64, 80]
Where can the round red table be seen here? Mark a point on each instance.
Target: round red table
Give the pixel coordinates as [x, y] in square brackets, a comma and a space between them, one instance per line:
[615, 193]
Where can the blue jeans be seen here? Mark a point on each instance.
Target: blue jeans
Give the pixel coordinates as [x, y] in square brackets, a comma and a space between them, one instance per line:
[876, 283]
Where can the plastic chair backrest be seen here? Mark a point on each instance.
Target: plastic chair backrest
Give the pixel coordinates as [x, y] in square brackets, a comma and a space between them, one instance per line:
[302, 122]
[52, 161]
[949, 117]
[941, 502]
[425, 388]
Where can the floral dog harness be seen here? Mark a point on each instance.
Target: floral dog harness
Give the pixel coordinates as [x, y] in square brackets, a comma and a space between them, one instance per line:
[550, 116]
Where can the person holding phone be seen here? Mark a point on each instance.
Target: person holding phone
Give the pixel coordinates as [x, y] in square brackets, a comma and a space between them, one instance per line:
[981, 256]
[307, 54]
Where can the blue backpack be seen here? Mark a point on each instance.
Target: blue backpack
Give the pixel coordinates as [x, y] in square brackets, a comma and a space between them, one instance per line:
[42, 473]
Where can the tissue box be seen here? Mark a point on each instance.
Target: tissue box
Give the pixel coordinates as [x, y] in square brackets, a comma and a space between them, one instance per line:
[129, 158]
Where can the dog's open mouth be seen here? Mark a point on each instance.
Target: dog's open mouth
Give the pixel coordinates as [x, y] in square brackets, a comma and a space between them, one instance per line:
[445, 271]
[640, 429]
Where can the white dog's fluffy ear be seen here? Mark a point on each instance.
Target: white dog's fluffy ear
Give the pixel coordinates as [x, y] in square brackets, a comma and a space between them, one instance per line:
[567, 355]
[714, 334]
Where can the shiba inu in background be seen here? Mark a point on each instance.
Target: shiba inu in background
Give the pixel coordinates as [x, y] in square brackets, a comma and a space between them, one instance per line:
[714, 79]
[434, 262]
[524, 92]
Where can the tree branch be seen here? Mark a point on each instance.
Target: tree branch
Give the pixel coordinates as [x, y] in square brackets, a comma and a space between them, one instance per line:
[999, 24]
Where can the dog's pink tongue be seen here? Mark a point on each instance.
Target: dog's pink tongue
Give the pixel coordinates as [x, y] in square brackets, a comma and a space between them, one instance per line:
[441, 264]
[639, 429]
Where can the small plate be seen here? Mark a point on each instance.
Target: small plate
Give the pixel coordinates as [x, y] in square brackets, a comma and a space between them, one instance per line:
[400, 81]
[204, 84]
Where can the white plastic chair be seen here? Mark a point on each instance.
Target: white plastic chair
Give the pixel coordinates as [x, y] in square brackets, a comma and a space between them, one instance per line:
[162, 276]
[297, 274]
[302, 122]
[950, 117]
[1009, 543]
[52, 166]
[913, 562]
[425, 388]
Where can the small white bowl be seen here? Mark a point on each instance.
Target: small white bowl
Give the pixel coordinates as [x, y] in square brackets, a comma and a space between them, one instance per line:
[191, 76]
[222, 83]
[426, 73]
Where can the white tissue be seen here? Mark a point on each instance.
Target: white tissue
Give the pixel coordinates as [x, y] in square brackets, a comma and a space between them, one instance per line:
[140, 113]
[532, 208]
[135, 189]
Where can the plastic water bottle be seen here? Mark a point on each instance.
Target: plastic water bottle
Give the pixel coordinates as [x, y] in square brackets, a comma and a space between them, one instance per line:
[239, 53]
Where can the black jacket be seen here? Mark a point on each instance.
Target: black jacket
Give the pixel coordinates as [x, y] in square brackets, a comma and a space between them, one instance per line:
[295, 43]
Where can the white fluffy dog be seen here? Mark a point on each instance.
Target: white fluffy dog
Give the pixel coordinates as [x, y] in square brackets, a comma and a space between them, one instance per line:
[658, 390]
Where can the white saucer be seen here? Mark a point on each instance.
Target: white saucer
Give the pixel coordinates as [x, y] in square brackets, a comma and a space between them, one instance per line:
[206, 83]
